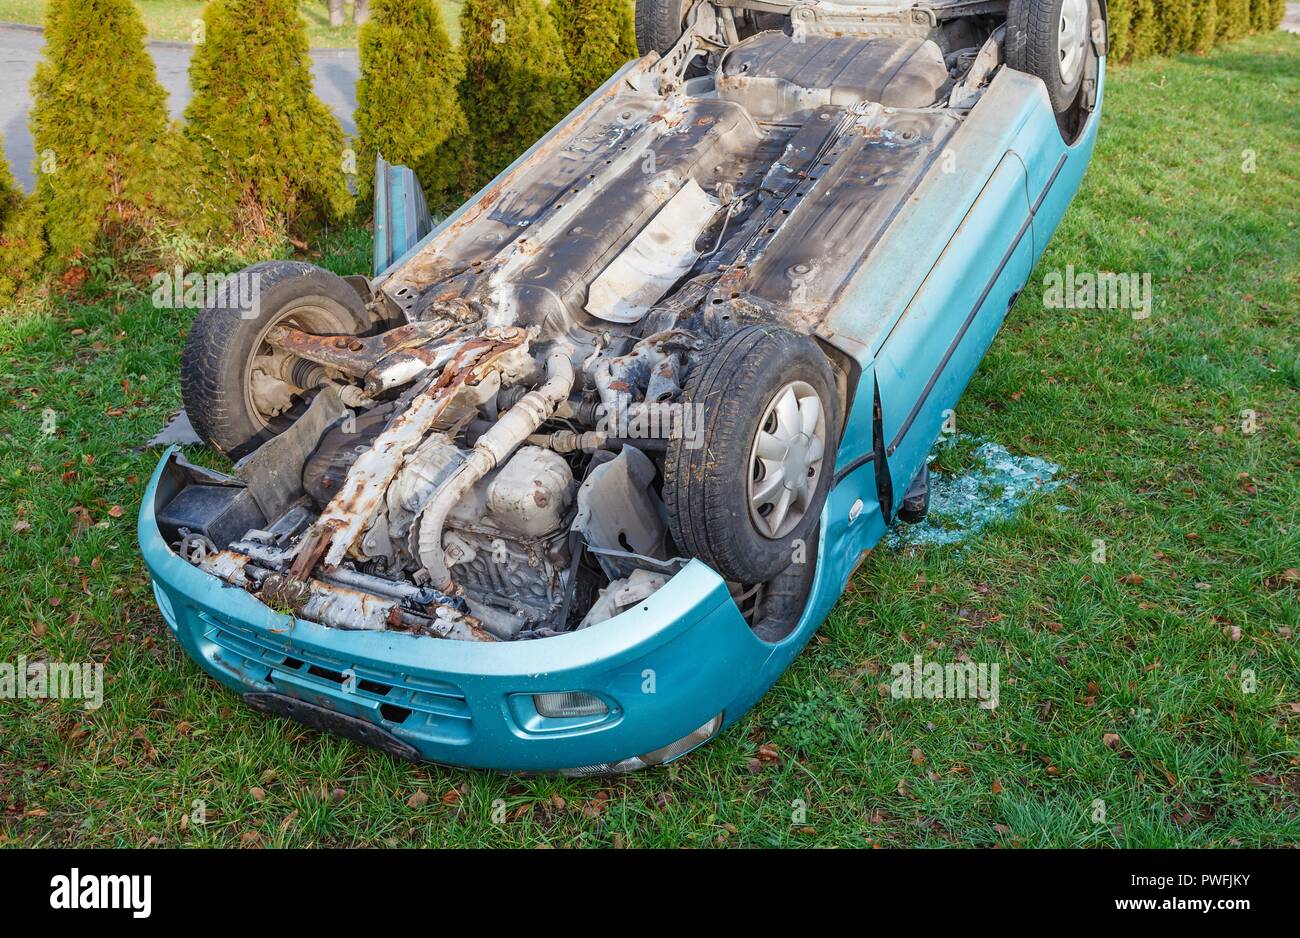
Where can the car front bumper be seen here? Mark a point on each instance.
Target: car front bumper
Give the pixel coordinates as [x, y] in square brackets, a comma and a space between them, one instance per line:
[683, 662]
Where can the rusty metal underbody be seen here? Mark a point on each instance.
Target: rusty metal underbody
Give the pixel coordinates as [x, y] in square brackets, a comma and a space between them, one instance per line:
[573, 293]
[797, 203]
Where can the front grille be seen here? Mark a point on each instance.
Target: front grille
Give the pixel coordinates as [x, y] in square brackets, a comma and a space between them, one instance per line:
[421, 705]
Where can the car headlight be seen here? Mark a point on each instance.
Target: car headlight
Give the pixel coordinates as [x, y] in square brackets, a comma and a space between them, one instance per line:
[569, 703]
[673, 750]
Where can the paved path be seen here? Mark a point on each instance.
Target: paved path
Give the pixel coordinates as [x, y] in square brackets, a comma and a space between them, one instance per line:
[334, 71]
[1291, 21]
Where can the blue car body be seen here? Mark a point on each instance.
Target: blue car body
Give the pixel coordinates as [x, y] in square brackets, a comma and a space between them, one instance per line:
[917, 318]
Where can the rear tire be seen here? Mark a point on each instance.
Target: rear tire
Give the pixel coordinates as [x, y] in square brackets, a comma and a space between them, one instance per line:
[745, 496]
[1052, 40]
[659, 24]
[217, 366]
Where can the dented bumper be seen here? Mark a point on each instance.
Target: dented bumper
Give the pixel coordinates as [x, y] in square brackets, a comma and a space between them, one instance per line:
[664, 670]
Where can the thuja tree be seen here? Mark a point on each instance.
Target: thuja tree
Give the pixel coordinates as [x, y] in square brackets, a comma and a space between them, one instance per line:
[22, 244]
[1121, 15]
[516, 84]
[270, 153]
[1174, 24]
[99, 122]
[407, 105]
[1264, 15]
[1204, 23]
[1144, 30]
[1233, 18]
[598, 36]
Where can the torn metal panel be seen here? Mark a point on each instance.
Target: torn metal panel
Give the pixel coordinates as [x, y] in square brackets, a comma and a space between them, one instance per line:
[179, 430]
[273, 472]
[618, 511]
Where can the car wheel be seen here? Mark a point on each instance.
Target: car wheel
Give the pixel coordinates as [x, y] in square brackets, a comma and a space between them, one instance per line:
[1053, 40]
[785, 596]
[659, 24]
[745, 495]
[238, 390]
[916, 503]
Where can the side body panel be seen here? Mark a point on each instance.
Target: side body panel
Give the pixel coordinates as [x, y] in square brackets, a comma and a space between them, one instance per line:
[926, 305]
[935, 347]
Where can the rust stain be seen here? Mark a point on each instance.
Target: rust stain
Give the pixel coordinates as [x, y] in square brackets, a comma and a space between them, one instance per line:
[317, 540]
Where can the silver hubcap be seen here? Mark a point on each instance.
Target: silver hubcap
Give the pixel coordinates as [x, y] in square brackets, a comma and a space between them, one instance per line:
[1072, 39]
[785, 462]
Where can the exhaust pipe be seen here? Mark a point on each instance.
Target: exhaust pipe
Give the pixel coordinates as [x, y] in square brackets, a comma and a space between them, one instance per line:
[493, 447]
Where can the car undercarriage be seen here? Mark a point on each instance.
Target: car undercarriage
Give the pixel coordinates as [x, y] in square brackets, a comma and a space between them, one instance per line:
[613, 360]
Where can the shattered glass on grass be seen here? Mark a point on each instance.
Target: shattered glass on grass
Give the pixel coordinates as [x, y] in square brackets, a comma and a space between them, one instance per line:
[992, 489]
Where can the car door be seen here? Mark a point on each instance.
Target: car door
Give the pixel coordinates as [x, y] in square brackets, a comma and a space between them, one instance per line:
[933, 349]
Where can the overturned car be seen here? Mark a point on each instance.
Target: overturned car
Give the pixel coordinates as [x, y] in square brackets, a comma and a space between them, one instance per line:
[568, 483]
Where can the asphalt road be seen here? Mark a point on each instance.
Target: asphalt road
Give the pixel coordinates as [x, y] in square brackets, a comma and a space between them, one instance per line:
[334, 72]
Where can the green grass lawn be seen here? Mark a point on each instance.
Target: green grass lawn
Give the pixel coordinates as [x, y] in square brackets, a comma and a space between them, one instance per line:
[1201, 524]
[173, 19]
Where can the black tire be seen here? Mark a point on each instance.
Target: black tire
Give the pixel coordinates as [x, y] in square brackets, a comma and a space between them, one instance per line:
[916, 503]
[1033, 45]
[707, 485]
[786, 596]
[216, 363]
[659, 24]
